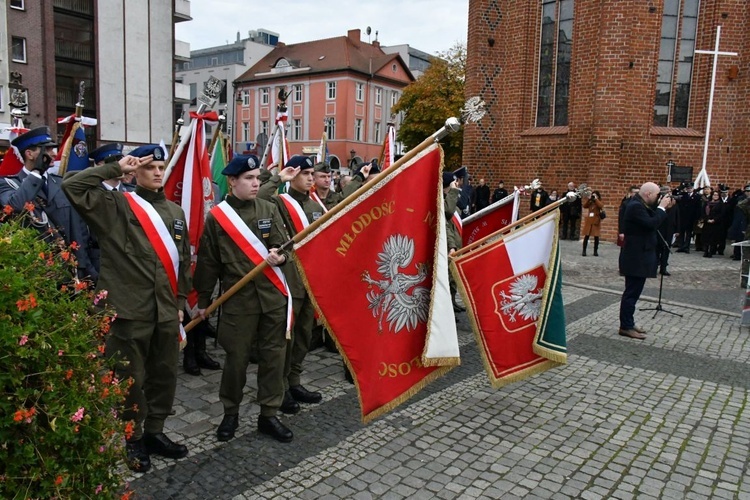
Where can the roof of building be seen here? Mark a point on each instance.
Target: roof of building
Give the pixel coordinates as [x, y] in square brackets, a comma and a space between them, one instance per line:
[324, 56]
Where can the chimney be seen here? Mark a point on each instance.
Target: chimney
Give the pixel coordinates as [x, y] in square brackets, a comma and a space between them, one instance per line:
[376, 44]
[354, 36]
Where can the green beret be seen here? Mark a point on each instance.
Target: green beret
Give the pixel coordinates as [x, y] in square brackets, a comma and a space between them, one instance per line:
[322, 167]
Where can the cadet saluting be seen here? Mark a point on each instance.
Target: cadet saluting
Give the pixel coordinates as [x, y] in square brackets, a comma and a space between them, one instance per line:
[145, 234]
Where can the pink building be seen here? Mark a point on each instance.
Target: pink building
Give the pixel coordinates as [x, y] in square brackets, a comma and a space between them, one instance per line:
[343, 84]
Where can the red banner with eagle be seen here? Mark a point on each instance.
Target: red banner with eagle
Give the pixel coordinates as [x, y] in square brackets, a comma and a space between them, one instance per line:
[395, 328]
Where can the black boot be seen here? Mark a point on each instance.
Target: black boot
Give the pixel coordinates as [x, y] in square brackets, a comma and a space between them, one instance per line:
[201, 356]
[138, 459]
[585, 244]
[189, 363]
[596, 246]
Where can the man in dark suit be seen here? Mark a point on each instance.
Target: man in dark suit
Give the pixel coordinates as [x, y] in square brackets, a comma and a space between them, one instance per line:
[638, 255]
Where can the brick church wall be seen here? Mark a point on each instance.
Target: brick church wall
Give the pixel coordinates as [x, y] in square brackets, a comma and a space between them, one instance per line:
[609, 142]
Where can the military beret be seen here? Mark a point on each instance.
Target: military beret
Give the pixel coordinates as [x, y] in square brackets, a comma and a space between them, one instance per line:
[322, 167]
[149, 149]
[460, 172]
[747, 187]
[303, 162]
[39, 136]
[103, 152]
[241, 164]
[447, 179]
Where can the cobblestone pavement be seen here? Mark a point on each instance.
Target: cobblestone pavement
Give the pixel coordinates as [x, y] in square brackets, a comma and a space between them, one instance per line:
[662, 418]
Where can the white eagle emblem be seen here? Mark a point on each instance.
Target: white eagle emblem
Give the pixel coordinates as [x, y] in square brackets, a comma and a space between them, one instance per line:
[524, 299]
[397, 298]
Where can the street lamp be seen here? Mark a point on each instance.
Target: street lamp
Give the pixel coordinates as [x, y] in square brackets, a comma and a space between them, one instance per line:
[235, 124]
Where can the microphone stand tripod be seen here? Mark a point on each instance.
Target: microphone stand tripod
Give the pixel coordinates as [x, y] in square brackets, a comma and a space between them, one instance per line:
[658, 308]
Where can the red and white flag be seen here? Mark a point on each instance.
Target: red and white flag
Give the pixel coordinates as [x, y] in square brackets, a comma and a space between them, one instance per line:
[397, 332]
[389, 147]
[187, 182]
[490, 219]
[279, 145]
[511, 287]
[12, 162]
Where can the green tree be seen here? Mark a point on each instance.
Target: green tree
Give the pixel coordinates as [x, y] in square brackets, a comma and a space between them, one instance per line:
[433, 97]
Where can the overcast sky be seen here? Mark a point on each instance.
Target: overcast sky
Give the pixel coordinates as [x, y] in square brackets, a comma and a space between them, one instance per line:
[428, 25]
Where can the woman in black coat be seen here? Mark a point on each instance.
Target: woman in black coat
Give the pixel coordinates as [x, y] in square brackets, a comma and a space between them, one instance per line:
[712, 224]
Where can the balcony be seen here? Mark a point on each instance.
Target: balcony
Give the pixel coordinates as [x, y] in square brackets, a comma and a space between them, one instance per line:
[73, 50]
[85, 7]
[181, 51]
[181, 93]
[182, 11]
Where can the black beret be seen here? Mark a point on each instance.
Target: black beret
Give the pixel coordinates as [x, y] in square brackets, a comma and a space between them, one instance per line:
[149, 149]
[241, 164]
[447, 179]
[303, 162]
[103, 152]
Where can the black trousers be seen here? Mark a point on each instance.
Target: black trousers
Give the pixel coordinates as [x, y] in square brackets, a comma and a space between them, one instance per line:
[633, 289]
[569, 226]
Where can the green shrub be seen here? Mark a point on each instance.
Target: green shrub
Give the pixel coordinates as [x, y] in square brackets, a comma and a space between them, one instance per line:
[59, 435]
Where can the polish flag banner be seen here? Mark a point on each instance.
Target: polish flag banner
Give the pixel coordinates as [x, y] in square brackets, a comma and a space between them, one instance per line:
[389, 146]
[397, 330]
[279, 145]
[12, 162]
[188, 182]
[512, 291]
[490, 219]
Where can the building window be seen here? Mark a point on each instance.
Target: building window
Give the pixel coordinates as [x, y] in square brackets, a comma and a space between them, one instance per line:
[17, 4]
[358, 129]
[360, 92]
[223, 93]
[297, 130]
[555, 48]
[245, 98]
[675, 74]
[245, 132]
[264, 96]
[331, 128]
[193, 94]
[378, 96]
[298, 93]
[19, 49]
[331, 90]
[264, 127]
[394, 98]
[376, 128]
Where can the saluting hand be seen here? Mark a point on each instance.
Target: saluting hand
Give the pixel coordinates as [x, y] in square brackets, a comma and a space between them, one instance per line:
[129, 163]
[365, 170]
[288, 173]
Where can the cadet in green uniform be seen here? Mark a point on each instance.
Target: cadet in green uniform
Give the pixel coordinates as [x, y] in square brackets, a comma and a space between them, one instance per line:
[322, 182]
[258, 312]
[149, 309]
[299, 173]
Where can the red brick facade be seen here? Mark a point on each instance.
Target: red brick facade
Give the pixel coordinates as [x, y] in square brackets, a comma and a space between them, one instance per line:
[609, 141]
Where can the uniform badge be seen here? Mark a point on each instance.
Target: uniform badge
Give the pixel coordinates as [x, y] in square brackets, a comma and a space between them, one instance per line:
[317, 215]
[80, 149]
[179, 228]
[264, 225]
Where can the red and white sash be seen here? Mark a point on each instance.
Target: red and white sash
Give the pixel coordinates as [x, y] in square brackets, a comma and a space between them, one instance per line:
[315, 197]
[158, 235]
[253, 248]
[299, 219]
[458, 222]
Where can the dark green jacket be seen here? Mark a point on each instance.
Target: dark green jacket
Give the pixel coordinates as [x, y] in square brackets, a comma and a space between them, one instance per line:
[219, 258]
[131, 272]
[449, 206]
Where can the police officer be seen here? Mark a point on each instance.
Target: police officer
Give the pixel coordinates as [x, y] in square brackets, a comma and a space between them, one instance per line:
[146, 234]
[52, 215]
[294, 205]
[239, 234]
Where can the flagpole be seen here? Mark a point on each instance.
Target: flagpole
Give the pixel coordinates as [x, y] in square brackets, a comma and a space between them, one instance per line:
[513, 225]
[219, 127]
[268, 146]
[65, 157]
[176, 135]
[473, 111]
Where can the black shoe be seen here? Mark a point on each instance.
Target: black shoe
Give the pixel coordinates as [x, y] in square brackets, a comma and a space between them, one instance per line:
[596, 254]
[302, 395]
[138, 459]
[160, 444]
[205, 361]
[190, 365]
[707, 255]
[273, 427]
[665, 273]
[289, 405]
[226, 429]
[583, 254]
[681, 250]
